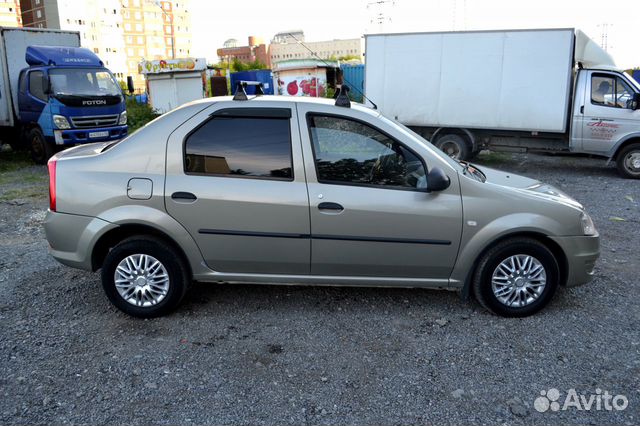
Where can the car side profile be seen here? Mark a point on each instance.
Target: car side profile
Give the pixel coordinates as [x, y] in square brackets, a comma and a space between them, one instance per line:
[281, 190]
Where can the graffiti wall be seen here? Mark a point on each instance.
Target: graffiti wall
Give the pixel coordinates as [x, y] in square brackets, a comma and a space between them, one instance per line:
[302, 82]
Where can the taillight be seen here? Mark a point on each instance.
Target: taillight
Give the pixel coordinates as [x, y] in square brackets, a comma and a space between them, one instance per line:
[52, 184]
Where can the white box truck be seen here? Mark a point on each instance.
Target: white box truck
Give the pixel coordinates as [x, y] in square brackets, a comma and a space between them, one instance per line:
[517, 90]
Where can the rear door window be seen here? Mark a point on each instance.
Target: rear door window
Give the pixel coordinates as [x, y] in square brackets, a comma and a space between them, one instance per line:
[251, 147]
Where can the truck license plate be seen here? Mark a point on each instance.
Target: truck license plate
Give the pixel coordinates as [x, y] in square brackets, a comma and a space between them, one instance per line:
[98, 134]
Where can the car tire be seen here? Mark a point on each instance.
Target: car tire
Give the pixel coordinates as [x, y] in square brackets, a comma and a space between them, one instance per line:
[41, 150]
[142, 290]
[454, 146]
[508, 280]
[628, 161]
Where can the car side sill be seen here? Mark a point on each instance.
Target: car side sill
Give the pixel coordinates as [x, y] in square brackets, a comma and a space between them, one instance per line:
[322, 280]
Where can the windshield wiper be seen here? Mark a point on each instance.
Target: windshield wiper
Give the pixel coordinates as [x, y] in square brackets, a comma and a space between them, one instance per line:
[469, 169]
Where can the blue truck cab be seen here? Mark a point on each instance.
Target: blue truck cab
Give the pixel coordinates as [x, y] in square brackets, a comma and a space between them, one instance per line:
[66, 96]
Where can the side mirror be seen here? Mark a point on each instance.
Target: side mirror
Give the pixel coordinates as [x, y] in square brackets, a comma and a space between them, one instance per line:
[437, 180]
[130, 86]
[635, 101]
[46, 84]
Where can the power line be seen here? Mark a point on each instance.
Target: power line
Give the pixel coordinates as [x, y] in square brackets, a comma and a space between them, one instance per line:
[330, 66]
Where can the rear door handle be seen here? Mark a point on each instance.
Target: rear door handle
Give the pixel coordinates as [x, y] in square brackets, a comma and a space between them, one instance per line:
[330, 206]
[183, 196]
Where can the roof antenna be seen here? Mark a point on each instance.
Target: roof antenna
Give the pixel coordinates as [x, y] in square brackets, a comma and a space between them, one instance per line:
[325, 62]
[342, 100]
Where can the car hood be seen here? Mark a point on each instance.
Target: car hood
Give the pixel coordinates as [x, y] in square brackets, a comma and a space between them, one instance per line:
[529, 187]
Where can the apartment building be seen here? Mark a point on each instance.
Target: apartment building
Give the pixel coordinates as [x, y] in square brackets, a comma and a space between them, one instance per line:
[121, 32]
[10, 15]
[150, 28]
[324, 49]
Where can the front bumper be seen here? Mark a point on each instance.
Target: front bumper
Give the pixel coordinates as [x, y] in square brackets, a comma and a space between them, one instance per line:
[72, 237]
[99, 134]
[581, 253]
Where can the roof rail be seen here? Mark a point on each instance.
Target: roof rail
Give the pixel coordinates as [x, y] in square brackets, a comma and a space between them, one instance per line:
[241, 94]
[342, 100]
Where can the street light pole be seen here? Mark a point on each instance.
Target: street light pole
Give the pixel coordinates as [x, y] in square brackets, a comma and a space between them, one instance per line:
[173, 39]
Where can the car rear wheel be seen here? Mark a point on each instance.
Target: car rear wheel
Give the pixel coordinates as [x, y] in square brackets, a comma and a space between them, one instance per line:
[628, 161]
[144, 277]
[516, 278]
[41, 150]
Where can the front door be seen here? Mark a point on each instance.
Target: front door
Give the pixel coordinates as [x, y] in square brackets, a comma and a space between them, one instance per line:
[235, 180]
[368, 214]
[608, 116]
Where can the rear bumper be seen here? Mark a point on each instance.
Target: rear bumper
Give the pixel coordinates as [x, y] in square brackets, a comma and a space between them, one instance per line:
[582, 253]
[72, 237]
[100, 134]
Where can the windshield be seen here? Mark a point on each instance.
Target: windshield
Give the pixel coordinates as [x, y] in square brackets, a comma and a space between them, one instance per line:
[633, 81]
[83, 81]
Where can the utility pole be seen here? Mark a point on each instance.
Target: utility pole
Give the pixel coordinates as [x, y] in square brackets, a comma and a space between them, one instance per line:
[378, 14]
[604, 35]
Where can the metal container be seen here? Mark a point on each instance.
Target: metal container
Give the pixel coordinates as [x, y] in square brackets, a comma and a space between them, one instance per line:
[353, 76]
[263, 76]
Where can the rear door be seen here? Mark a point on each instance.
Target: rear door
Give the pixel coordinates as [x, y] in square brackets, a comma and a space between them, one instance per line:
[236, 182]
[368, 215]
[607, 113]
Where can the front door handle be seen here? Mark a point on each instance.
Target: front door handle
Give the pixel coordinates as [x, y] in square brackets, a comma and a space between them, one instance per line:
[183, 197]
[330, 206]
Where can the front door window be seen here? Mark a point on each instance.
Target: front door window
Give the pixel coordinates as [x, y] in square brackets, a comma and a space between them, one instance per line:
[349, 152]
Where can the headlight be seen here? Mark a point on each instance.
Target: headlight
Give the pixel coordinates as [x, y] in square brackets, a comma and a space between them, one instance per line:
[588, 228]
[61, 122]
[123, 119]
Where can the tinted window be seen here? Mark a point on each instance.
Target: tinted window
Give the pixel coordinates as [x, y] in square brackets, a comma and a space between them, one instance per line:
[35, 85]
[241, 146]
[352, 152]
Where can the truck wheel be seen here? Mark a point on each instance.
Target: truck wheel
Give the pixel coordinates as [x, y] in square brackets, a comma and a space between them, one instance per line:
[144, 277]
[41, 150]
[516, 278]
[628, 161]
[455, 146]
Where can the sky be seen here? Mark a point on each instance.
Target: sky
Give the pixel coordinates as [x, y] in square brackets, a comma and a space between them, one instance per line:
[613, 23]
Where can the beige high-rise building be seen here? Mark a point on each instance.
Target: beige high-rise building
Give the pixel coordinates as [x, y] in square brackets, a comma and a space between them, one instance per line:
[10, 15]
[120, 32]
[148, 32]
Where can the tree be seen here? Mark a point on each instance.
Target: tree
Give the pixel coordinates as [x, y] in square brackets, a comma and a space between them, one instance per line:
[237, 65]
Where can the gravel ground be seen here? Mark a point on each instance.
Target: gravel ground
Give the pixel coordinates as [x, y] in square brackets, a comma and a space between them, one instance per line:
[249, 354]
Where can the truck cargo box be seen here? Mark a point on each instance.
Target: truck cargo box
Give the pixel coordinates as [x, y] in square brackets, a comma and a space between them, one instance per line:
[508, 80]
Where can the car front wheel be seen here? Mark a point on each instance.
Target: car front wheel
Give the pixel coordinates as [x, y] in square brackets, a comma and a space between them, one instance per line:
[516, 278]
[144, 277]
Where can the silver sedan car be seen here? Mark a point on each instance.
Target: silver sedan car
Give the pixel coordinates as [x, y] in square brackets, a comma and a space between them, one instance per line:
[281, 190]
